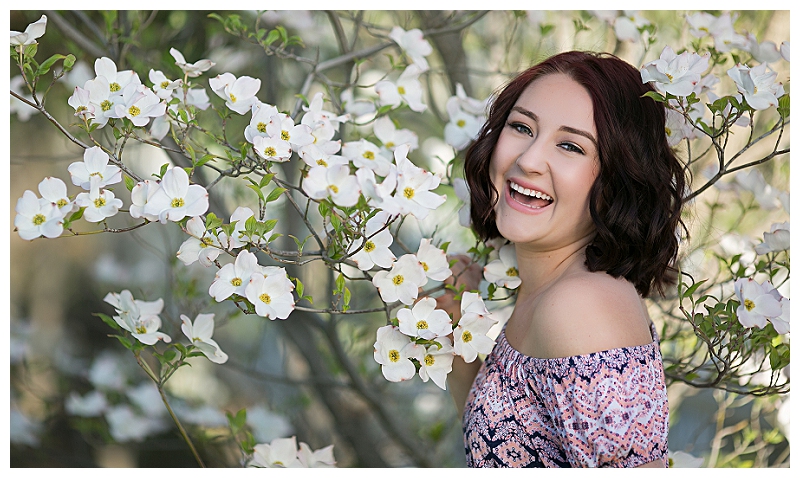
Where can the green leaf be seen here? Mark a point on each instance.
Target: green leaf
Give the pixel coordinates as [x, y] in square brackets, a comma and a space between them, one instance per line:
[161, 173]
[109, 321]
[444, 246]
[346, 298]
[265, 180]
[257, 190]
[203, 160]
[69, 62]
[212, 221]
[783, 106]
[30, 50]
[693, 288]
[48, 63]
[129, 183]
[300, 288]
[384, 109]
[238, 421]
[655, 95]
[271, 37]
[169, 354]
[339, 284]
[124, 341]
[274, 194]
[268, 225]
[273, 237]
[250, 225]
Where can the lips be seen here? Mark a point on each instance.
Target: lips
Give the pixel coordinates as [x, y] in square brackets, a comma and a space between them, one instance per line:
[528, 197]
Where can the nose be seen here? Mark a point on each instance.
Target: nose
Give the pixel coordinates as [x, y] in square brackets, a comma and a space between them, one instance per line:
[532, 159]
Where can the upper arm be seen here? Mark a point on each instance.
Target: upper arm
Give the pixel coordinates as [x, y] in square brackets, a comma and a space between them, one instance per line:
[589, 313]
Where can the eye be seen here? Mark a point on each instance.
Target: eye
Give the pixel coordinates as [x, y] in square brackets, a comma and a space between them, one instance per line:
[521, 128]
[571, 147]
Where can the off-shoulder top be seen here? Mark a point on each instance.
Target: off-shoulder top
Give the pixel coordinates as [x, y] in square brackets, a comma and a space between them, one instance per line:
[603, 409]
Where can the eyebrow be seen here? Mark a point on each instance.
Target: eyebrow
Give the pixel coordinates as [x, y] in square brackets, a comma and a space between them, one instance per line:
[568, 129]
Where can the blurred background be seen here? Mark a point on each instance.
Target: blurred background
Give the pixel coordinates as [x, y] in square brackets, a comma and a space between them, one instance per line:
[78, 399]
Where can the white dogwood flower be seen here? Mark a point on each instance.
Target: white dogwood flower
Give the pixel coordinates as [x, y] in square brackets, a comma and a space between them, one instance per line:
[239, 93]
[376, 242]
[437, 362]
[176, 198]
[279, 453]
[675, 74]
[200, 333]
[32, 32]
[53, 190]
[201, 246]
[402, 282]
[394, 351]
[470, 337]
[99, 203]
[424, 320]
[94, 165]
[756, 303]
[777, 239]
[413, 44]
[334, 182]
[503, 271]
[192, 70]
[271, 294]
[406, 89]
[233, 278]
[433, 261]
[37, 218]
[757, 84]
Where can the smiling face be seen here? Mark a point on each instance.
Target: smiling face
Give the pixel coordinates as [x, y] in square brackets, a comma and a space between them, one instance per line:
[544, 164]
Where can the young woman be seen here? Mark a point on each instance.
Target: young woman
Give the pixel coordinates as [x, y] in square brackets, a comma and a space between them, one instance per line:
[573, 167]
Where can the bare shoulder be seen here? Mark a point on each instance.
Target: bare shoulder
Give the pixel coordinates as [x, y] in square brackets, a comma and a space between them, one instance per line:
[589, 312]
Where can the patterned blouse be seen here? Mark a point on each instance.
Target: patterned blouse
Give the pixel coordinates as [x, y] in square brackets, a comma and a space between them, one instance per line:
[604, 409]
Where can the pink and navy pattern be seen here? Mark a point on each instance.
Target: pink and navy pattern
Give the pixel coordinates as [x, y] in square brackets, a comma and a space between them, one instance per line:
[604, 409]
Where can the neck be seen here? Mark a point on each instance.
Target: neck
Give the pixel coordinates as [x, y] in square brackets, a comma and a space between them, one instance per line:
[538, 268]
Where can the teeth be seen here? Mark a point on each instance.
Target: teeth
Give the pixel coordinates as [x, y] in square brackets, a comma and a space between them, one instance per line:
[530, 192]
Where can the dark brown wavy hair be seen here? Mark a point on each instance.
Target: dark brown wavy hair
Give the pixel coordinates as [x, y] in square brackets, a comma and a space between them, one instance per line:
[636, 200]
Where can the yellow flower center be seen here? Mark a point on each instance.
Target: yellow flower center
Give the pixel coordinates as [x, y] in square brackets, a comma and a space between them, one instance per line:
[285, 135]
[369, 246]
[270, 151]
[390, 144]
[96, 174]
[322, 162]
[178, 202]
[205, 242]
[261, 127]
[422, 325]
[755, 90]
[394, 355]
[461, 123]
[141, 329]
[749, 305]
[164, 84]
[99, 202]
[233, 99]
[401, 90]
[512, 272]
[236, 282]
[424, 266]
[369, 155]
[134, 111]
[668, 131]
[62, 202]
[106, 105]
[39, 219]
[408, 193]
[81, 109]
[429, 360]
[278, 463]
[466, 336]
[334, 189]
[397, 280]
[669, 76]
[114, 87]
[265, 298]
